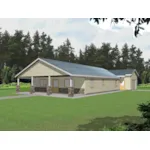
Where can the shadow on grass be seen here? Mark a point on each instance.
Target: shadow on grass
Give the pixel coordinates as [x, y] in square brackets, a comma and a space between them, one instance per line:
[98, 124]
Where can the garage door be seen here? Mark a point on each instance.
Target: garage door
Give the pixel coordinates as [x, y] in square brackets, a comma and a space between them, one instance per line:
[133, 84]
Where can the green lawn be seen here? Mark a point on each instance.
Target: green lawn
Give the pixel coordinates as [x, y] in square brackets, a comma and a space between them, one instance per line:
[143, 88]
[90, 113]
[11, 91]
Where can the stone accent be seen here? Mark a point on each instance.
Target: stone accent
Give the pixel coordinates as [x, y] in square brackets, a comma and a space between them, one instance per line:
[76, 90]
[18, 88]
[63, 90]
[70, 92]
[40, 89]
[81, 91]
[49, 90]
[32, 89]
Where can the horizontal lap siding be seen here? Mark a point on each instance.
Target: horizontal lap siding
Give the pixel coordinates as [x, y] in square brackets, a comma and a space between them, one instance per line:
[127, 83]
[78, 82]
[97, 85]
[134, 81]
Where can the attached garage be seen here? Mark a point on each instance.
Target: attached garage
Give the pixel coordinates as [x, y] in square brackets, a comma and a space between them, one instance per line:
[53, 76]
[128, 78]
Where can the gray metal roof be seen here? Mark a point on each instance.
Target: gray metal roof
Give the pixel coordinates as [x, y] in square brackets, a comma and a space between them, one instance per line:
[122, 72]
[78, 69]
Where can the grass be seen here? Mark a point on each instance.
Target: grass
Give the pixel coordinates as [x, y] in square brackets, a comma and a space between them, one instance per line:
[11, 91]
[90, 113]
[144, 87]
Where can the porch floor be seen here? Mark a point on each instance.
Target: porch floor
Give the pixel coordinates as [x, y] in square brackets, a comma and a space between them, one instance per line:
[60, 95]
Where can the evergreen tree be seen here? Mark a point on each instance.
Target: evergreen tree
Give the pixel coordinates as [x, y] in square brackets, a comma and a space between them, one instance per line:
[90, 54]
[30, 55]
[81, 57]
[17, 50]
[125, 60]
[105, 57]
[139, 61]
[49, 48]
[132, 57]
[36, 45]
[115, 57]
[65, 51]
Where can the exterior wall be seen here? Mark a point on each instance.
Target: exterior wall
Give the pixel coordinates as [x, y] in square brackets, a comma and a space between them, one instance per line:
[100, 85]
[78, 84]
[40, 69]
[128, 81]
[134, 77]
[42, 82]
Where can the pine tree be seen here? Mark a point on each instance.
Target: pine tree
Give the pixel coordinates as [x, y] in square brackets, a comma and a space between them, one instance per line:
[115, 57]
[81, 57]
[65, 52]
[105, 57]
[36, 45]
[49, 48]
[125, 57]
[17, 50]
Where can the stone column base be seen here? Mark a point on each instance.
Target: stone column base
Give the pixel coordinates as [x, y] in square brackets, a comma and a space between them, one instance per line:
[70, 92]
[18, 88]
[49, 90]
[32, 89]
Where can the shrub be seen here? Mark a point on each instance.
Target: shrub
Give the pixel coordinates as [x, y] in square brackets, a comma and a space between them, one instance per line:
[118, 127]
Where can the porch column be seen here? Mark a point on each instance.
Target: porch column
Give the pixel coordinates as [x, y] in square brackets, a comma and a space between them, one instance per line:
[71, 88]
[32, 89]
[49, 87]
[18, 85]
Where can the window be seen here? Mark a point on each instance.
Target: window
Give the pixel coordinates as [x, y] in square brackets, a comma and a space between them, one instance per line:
[67, 83]
[43, 82]
[55, 83]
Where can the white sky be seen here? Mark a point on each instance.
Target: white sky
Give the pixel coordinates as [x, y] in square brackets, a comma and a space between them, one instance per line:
[82, 32]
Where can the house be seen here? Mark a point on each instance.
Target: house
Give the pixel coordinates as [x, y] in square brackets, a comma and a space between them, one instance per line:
[128, 78]
[53, 76]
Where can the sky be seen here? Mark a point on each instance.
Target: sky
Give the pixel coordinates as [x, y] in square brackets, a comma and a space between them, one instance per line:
[81, 32]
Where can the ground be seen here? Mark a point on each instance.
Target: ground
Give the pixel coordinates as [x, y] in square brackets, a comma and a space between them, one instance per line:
[90, 113]
[11, 91]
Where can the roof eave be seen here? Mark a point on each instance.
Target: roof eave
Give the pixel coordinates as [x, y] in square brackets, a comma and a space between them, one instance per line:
[104, 77]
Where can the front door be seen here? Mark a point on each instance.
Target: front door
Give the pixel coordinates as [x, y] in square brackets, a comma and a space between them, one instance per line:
[55, 86]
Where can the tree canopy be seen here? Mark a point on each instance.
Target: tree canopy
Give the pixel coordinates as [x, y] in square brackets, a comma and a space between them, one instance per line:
[138, 21]
[19, 49]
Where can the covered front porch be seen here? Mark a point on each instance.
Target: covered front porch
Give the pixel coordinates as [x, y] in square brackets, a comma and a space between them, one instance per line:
[50, 85]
